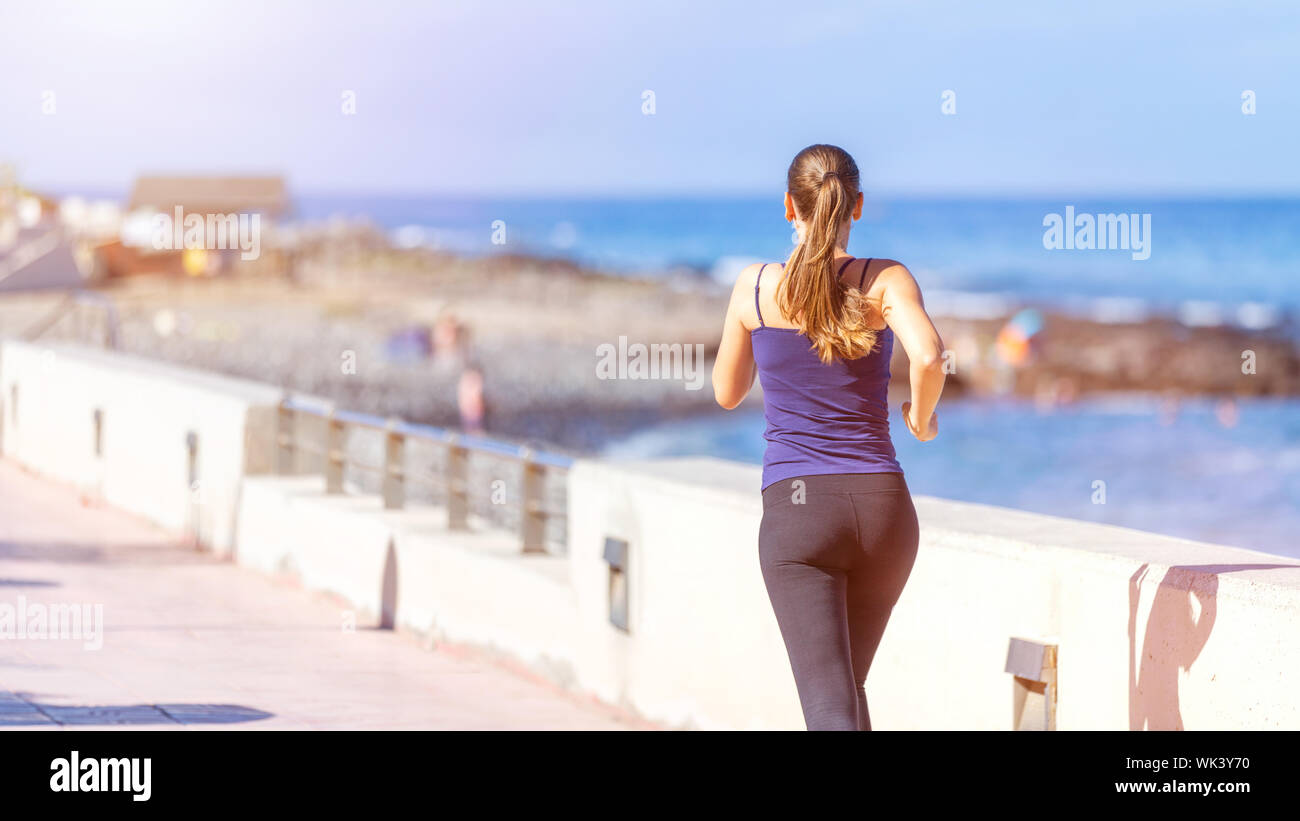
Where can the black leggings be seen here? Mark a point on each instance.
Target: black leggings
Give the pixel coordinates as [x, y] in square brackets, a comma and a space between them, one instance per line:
[835, 551]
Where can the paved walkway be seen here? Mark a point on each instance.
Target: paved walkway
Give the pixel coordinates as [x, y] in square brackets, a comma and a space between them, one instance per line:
[192, 642]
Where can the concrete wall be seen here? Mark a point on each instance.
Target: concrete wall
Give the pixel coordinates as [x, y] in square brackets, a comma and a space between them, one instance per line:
[405, 568]
[1154, 632]
[147, 409]
[702, 647]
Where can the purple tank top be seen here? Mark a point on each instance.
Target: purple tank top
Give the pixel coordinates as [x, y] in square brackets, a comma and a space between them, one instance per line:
[822, 418]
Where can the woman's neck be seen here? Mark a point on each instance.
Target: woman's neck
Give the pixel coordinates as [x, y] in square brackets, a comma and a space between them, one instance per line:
[841, 239]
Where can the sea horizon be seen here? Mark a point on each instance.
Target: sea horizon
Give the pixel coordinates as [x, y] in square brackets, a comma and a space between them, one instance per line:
[976, 254]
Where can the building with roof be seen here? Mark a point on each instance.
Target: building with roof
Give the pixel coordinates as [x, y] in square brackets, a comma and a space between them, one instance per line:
[199, 225]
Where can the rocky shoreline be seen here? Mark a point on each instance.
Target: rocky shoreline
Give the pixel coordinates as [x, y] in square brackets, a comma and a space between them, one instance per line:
[537, 329]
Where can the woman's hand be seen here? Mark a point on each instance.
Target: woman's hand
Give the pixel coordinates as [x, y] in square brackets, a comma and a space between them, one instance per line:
[931, 429]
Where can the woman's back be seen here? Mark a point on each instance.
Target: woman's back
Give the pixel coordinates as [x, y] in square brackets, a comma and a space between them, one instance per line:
[839, 533]
[822, 418]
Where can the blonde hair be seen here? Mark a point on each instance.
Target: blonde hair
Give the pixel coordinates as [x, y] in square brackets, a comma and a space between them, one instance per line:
[823, 183]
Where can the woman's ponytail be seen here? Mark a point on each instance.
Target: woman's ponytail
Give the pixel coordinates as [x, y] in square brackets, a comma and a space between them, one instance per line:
[823, 183]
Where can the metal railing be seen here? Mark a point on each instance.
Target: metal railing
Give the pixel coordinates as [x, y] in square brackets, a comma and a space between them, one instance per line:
[77, 304]
[397, 476]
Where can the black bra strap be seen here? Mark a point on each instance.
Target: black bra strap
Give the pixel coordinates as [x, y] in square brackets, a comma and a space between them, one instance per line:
[863, 278]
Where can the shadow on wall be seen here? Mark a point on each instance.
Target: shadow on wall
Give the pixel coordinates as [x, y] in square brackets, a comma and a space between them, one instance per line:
[1178, 625]
[388, 594]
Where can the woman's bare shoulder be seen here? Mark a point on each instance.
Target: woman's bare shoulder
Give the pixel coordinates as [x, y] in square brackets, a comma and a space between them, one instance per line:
[891, 275]
[749, 277]
[881, 272]
[742, 293]
[889, 269]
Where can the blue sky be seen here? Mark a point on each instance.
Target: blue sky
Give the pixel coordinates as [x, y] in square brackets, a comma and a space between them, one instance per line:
[507, 98]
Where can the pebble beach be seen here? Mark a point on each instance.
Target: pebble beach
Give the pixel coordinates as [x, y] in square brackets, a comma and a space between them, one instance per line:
[536, 329]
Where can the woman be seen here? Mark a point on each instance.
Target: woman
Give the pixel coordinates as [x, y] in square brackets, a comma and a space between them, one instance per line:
[839, 534]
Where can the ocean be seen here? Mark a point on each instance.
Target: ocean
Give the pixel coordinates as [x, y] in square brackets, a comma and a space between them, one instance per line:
[1196, 472]
[1200, 472]
[1207, 261]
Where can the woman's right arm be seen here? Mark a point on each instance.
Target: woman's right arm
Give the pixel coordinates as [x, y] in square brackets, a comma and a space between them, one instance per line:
[904, 311]
[733, 367]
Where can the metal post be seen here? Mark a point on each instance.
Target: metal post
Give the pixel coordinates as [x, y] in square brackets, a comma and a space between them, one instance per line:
[284, 439]
[394, 466]
[98, 418]
[195, 488]
[335, 459]
[457, 485]
[533, 510]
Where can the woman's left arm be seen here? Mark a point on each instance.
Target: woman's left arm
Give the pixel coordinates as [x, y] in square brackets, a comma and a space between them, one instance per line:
[733, 369]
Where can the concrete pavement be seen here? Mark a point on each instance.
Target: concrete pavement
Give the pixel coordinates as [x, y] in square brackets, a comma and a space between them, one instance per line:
[189, 641]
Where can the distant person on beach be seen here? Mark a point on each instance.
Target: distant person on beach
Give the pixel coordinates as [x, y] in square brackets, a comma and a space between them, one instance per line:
[449, 343]
[470, 402]
[453, 355]
[839, 534]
